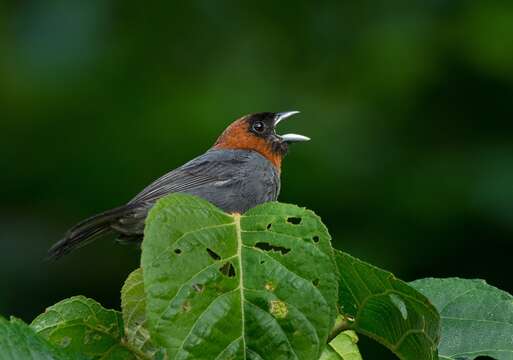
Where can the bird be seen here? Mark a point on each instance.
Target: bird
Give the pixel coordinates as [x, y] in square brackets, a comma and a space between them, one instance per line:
[240, 171]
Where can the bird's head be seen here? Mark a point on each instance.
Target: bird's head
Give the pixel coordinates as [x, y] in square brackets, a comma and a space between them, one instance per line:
[258, 132]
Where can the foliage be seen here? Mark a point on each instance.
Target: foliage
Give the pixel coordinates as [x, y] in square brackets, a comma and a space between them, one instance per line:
[342, 347]
[265, 284]
[387, 309]
[133, 305]
[83, 326]
[19, 341]
[477, 319]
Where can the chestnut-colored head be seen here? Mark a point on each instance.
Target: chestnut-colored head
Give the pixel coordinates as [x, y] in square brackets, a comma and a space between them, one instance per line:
[257, 132]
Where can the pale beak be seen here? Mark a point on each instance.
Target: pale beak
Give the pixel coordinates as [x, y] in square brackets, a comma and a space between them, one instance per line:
[294, 138]
[283, 115]
[289, 137]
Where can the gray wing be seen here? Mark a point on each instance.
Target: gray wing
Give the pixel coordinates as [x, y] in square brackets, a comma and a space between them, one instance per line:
[211, 168]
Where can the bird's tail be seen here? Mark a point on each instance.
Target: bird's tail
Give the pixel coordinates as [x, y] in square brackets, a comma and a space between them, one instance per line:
[87, 231]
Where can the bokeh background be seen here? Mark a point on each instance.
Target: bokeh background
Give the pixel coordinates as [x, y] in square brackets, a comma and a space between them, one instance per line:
[409, 106]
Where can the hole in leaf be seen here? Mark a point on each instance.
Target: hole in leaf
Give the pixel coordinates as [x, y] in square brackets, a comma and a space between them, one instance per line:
[198, 287]
[269, 226]
[227, 269]
[315, 282]
[231, 272]
[178, 251]
[262, 262]
[315, 239]
[268, 247]
[213, 255]
[294, 220]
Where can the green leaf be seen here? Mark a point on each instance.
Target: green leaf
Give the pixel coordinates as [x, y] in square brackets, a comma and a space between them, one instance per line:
[477, 319]
[387, 309]
[133, 305]
[83, 326]
[220, 286]
[19, 341]
[343, 347]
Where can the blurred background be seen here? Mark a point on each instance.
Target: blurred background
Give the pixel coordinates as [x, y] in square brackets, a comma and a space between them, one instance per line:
[409, 107]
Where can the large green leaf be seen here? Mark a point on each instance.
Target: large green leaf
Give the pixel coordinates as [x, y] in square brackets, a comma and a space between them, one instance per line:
[342, 347]
[133, 305]
[19, 342]
[477, 319]
[83, 326]
[387, 309]
[253, 286]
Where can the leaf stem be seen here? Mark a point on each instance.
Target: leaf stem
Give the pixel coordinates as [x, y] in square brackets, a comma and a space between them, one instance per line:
[341, 324]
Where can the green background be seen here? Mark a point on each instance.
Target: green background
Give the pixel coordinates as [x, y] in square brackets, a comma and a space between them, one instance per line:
[409, 105]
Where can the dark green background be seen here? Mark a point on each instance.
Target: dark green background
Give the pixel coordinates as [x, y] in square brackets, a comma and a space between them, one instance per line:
[408, 104]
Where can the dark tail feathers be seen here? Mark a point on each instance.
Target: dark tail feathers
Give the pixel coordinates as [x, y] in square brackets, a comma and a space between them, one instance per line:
[87, 231]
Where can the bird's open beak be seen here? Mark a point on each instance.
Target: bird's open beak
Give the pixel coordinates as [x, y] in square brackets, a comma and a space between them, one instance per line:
[289, 137]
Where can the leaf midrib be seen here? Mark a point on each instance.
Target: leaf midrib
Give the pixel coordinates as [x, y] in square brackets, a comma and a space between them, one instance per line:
[238, 232]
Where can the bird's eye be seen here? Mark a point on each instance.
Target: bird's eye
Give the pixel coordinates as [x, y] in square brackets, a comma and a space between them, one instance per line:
[259, 126]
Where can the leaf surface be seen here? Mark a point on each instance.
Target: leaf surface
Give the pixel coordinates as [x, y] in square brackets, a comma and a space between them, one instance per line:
[19, 341]
[83, 326]
[477, 318]
[387, 309]
[253, 286]
[133, 306]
